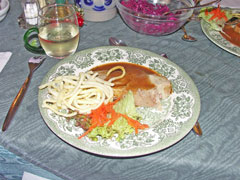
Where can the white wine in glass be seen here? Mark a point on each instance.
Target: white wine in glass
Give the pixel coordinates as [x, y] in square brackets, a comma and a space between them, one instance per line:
[58, 30]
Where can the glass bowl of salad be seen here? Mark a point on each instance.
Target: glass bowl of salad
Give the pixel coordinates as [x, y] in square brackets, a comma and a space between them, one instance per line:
[154, 17]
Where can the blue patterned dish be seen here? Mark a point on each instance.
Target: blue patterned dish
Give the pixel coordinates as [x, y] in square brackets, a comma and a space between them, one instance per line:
[97, 10]
[97, 5]
[167, 127]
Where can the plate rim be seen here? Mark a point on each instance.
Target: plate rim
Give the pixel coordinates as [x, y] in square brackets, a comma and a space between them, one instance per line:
[123, 153]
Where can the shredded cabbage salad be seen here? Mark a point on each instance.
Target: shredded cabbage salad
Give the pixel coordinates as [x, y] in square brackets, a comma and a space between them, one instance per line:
[152, 27]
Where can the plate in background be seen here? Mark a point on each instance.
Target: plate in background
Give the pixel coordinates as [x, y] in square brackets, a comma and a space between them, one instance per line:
[217, 39]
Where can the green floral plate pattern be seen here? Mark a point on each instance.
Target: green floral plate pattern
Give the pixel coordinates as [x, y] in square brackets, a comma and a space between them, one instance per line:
[167, 127]
[217, 39]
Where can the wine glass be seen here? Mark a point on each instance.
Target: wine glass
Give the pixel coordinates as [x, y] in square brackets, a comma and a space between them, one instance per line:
[58, 30]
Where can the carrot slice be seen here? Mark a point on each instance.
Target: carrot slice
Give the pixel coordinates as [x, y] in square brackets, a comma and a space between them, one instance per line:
[217, 14]
[206, 12]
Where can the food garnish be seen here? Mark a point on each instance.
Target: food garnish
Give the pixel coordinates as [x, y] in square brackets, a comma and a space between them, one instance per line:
[117, 117]
[215, 16]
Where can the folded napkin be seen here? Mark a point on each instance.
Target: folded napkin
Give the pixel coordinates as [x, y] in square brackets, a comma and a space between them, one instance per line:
[29, 176]
[4, 57]
[225, 3]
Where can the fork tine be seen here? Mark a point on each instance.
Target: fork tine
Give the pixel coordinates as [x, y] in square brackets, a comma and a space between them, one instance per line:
[43, 57]
[37, 57]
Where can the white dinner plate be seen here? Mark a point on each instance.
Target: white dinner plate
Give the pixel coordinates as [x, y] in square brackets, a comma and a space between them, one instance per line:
[167, 127]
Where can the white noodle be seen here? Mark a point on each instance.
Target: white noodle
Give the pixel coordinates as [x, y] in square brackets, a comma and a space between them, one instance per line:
[78, 94]
[118, 77]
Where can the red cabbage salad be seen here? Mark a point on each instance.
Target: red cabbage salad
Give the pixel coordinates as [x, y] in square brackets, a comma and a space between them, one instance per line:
[143, 6]
[156, 25]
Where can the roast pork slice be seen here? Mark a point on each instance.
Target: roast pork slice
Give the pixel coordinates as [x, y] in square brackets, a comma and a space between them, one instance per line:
[152, 97]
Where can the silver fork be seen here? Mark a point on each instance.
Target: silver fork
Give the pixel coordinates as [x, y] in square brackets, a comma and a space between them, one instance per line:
[33, 63]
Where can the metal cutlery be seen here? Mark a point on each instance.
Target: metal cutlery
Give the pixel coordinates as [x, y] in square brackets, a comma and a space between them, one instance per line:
[187, 37]
[197, 6]
[197, 129]
[118, 42]
[33, 63]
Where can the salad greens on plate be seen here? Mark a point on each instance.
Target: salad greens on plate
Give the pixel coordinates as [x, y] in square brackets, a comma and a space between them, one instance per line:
[215, 16]
[121, 126]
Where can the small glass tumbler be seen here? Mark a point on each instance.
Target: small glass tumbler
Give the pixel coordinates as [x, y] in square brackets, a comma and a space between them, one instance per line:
[30, 9]
[57, 30]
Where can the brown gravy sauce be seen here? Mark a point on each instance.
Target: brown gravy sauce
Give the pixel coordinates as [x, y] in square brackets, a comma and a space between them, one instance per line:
[231, 34]
[136, 76]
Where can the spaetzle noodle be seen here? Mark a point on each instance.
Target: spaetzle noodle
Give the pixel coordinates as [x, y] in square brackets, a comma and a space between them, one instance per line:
[70, 95]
